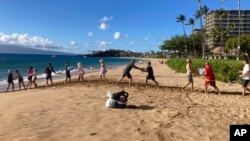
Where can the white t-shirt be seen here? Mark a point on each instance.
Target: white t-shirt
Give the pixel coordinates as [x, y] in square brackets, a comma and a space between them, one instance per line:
[245, 72]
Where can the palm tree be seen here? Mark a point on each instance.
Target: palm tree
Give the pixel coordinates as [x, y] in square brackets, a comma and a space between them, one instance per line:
[221, 14]
[191, 22]
[199, 15]
[182, 19]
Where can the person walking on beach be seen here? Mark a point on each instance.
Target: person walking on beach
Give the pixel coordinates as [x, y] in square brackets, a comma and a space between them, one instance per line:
[80, 69]
[126, 72]
[189, 75]
[150, 75]
[10, 80]
[20, 79]
[30, 72]
[210, 78]
[245, 75]
[103, 70]
[48, 71]
[34, 74]
[67, 71]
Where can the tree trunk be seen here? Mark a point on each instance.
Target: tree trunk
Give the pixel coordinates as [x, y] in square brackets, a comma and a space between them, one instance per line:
[193, 41]
[185, 38]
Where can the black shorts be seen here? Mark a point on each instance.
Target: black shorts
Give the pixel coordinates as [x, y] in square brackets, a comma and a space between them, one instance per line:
[30, 78]
[68, 74]
[10, 81]
[49, 77]
[20, 79]
[127, 74]
[245, 83]
[150, 77]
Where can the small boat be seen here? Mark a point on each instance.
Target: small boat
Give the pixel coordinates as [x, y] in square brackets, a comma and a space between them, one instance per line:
[53, 56]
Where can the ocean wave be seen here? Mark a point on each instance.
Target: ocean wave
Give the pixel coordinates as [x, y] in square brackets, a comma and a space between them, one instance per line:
[43, 75]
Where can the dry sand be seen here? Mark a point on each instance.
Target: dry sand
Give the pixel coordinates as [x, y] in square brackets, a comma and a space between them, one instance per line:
[77, 112]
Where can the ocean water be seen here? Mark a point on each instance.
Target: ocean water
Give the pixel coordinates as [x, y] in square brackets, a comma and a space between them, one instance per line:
[22, 62]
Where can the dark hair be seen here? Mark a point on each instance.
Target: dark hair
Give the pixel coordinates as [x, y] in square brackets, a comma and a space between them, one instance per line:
[149, 63]
[49, 64]
[246, 60]
[16, 71]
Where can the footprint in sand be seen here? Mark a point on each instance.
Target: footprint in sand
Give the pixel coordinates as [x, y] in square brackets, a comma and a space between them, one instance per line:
[160, 136]
[140, 131]
[92, 134]
[142, 122]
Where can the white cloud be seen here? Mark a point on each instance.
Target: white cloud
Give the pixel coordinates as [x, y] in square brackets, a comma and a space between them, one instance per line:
[117, 35]
[25, 40]
[104, 26]
[146, 38]
[103, 43]
[90, 34]
[103, 22]
[105, 19]
[72, 43]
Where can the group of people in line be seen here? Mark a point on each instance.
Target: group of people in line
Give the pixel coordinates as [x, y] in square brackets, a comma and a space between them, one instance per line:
[208, 72]
[210, 79]
[32, 74]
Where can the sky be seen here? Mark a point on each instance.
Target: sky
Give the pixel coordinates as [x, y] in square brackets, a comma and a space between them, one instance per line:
[81, 26]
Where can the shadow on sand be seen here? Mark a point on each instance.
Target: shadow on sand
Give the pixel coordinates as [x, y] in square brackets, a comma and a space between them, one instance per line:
[141, 107]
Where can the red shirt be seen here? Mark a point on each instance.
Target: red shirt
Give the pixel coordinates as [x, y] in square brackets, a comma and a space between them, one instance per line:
[209, 73]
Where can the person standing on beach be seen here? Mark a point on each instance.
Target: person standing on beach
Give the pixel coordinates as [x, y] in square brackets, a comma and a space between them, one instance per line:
[34, 74]
[48, 71]
[245, 74]
[103, 70]
[150, 75]
[20, 79]
[10, 80]
[126, 72]
[210, 78]
[30, 72]
[80, 69]
[67, 71]
[189, 74]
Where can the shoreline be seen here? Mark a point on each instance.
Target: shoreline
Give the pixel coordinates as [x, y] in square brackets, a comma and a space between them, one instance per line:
[74, 75]
[59, 80]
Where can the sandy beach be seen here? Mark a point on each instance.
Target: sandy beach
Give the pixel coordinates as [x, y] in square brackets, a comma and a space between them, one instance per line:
[76, 111]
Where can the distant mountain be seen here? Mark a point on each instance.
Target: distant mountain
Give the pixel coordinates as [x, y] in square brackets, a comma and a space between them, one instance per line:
[25, 50]
[113, 53]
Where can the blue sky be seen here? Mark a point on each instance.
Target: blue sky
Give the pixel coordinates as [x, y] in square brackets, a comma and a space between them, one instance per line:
[138, 25]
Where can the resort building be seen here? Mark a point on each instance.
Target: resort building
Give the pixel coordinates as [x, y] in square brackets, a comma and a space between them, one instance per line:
[232, 18]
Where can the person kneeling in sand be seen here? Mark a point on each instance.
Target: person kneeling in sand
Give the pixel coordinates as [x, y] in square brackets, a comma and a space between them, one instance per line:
[126, 72]
[150, 75]
[210, 78]
[189, 74]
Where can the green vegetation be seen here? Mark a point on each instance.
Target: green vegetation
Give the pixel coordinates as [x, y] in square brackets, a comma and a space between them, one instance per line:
[232, 43]
[177, 43]
[225, 70]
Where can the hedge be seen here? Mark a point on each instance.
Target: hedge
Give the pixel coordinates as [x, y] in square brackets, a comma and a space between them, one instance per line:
[225, 70]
